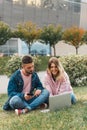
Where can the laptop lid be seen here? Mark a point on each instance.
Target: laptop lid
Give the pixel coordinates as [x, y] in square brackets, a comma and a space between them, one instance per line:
[59, 101]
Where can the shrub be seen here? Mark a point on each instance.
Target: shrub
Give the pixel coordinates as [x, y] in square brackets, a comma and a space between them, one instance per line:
[37, 62]
[76, 68]
[14, 63]
[3, 61]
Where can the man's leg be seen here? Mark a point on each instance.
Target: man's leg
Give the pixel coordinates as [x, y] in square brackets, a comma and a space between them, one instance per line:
[37, 101]
[17, 103]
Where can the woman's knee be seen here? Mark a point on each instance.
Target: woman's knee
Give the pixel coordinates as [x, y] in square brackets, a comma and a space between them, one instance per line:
[73, 98]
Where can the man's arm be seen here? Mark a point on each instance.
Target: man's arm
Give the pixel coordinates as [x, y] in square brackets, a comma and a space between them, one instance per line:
[15, 87]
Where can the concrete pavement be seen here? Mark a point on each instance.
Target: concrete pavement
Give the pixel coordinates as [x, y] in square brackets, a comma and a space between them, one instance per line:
[4, 81]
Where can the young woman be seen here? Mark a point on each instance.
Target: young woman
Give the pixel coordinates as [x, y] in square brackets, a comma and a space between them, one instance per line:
[56, 79]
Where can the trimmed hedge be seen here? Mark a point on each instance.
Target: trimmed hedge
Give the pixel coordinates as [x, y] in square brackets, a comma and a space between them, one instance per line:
[3, 62]
[76, 68]
[74, 65]
[14, 63]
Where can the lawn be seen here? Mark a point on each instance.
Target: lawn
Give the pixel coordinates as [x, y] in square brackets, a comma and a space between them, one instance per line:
[73, 118]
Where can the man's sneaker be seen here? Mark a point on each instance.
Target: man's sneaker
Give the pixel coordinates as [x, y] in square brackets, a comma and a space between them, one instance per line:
[43, 106]
[19, 111]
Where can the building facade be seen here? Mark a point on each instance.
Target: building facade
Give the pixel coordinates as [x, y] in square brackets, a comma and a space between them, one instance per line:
[19, 47]
[66, 13]
[42, 12]
[14, 46]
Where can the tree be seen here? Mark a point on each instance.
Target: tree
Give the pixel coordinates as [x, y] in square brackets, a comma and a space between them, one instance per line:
[73, 36]
[85, 37]
[28, 32]
[5, 33]
[51, 34]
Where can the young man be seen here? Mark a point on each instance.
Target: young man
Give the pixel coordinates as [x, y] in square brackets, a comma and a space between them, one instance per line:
[25, 90]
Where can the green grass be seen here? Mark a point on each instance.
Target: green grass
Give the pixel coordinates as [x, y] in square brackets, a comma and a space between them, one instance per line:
[73, 118]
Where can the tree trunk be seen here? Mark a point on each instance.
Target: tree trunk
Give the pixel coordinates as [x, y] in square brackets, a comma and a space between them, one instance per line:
[50, 50]
[54, 49]
[29, 48]
[76, 50]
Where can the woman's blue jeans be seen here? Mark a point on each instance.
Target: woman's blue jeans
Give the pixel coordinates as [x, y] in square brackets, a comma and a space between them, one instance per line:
[17, 103]
[73, 98]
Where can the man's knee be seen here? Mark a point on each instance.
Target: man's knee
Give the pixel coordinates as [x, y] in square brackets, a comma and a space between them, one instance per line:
[45, 92]
[14, 101]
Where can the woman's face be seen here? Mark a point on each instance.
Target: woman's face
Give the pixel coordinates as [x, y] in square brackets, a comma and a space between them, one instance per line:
[54, 69]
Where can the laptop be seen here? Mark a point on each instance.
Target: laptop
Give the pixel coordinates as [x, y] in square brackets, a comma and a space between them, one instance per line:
[60, 101]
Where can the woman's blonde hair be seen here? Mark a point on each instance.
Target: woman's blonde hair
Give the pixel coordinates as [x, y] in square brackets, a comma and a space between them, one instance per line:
[58, 65]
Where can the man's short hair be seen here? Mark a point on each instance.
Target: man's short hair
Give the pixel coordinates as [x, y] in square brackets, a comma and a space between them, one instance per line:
[27, 59]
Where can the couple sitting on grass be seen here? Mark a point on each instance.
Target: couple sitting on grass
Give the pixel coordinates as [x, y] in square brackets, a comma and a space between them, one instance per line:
[27, 93]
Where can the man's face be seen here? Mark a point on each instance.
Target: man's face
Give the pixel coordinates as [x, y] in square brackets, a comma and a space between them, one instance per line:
[28, 68]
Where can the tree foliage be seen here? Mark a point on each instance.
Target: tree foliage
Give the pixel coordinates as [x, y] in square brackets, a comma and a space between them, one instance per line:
[74, 37]
[51, 34]
[5, 33]
[85, 37]
[76, 68]
[28, 32]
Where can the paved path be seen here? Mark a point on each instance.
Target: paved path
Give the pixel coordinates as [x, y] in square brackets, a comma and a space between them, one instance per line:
[4, 81]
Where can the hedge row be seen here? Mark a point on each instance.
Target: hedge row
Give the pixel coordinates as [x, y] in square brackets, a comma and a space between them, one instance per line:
[76, 67]
[14, 63]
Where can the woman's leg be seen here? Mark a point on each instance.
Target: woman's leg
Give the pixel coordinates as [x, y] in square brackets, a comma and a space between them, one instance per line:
[73, 98]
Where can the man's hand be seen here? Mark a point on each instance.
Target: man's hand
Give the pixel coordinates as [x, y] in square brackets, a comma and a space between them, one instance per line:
[37, 93]
[27, 97]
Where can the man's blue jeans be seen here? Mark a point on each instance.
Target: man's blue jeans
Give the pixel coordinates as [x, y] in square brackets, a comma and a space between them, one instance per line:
[17, 103]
